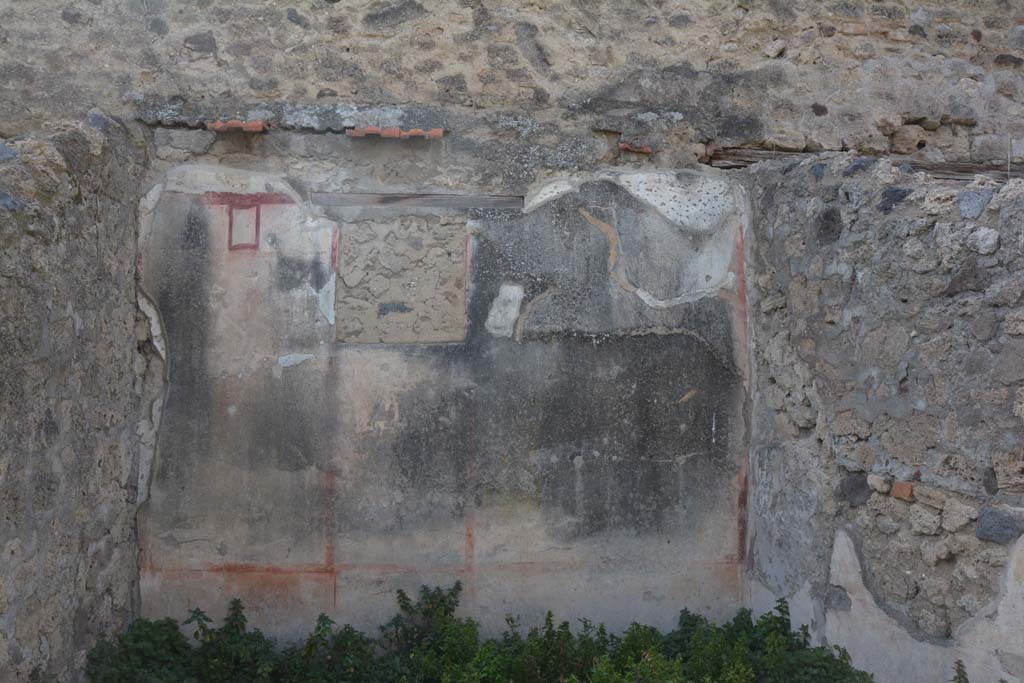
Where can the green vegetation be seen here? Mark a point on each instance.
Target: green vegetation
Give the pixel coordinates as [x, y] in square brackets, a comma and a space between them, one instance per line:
[426, 643]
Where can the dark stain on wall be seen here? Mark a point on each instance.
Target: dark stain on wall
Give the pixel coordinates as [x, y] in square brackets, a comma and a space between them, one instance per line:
[830, 225]
[626, 429]
[289, 420]
[295, 272]
[612, 432]
[182, 292]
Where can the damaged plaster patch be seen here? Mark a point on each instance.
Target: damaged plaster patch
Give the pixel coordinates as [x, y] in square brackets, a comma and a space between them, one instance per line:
[501, 319]
[548, 192]
[865, 628]
[156, 328]
[403, 281]
[692, 223]
[155, 387]
[698, 203]
[883, 647]
[147, 431]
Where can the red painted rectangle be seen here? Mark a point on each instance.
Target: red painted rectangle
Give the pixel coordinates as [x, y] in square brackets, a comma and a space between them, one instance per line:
[232, 244]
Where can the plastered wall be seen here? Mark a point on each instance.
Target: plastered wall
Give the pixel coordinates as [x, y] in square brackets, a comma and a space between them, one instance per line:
[543, 403]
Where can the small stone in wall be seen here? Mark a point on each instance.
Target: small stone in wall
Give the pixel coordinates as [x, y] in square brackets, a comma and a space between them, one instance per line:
[888, 124]
[984, 325]
[848, 422]
[391, 14]
[972, 203]
[1014, 322]
[853, 489]
[774, 302]
[920, 257]
[931, 618]
[202, 43]
[933, 553]
[924, 520]
[957, 515]
[1006, 291]
[863, 456]
[1010, 366]
[886, 524]
[787, 141]
[906, 139]
[879, 483]
[930, 496]
[351, 327]
[967, 278]
[185, 140]
[998, 526]
[893, 197]
[1018, 403]
[1015, 38]
[1009, 469]
[885, 346]
[984, 241]
[774, 49]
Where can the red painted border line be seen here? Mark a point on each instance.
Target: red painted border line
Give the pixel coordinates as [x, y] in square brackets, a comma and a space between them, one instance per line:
[255, 244]
[244, 201]
[460, 569]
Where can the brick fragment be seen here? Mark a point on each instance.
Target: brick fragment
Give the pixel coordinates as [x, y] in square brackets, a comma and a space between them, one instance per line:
[394, 132]
[904, 490]
[255, 126]
[638, 149]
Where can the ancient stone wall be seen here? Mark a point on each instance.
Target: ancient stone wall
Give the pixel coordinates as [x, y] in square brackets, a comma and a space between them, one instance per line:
[381, 372]
[939, 79]
[887, 405]
[73, 369]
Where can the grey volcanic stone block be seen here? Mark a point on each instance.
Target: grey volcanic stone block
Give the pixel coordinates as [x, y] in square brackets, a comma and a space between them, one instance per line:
[998, 526]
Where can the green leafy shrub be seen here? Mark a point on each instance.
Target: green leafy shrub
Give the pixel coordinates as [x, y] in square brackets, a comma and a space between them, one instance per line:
[156, 648]
[426, 642]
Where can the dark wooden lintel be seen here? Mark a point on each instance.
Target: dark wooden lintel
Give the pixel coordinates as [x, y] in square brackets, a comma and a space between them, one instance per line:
[741, 157]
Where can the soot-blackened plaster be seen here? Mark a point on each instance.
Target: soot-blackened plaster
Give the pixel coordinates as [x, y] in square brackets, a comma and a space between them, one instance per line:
[583, 437]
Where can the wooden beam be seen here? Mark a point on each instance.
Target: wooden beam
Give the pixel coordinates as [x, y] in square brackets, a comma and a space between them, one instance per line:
[446, 201]
[740, 157]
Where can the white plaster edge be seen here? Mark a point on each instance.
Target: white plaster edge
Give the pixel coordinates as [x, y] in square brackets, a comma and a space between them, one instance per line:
[156, 325]
[880, 645]
[633, 182]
